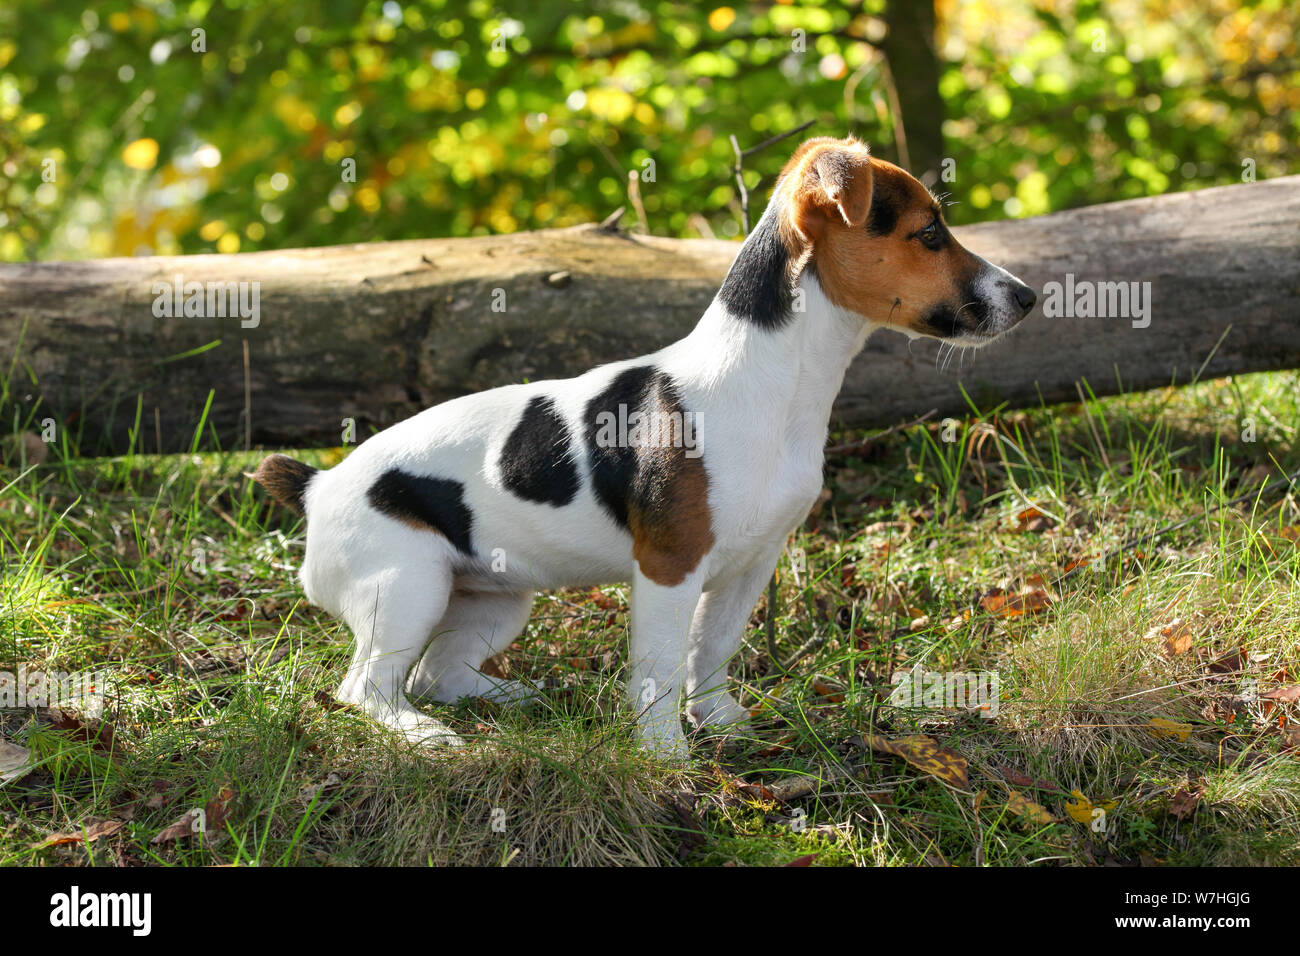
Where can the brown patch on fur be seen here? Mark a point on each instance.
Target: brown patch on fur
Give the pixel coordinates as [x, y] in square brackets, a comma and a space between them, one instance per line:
[653, 481]
[285, 479]
[826, 181]
[890, 277]
[673, 532]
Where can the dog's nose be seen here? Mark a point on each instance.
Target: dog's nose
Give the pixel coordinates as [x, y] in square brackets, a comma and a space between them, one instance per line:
[1025, 297]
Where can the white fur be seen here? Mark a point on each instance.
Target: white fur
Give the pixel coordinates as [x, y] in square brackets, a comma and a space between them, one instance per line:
[762, 402]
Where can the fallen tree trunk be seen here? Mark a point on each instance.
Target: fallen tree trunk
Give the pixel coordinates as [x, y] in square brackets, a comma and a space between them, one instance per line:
[373, 333]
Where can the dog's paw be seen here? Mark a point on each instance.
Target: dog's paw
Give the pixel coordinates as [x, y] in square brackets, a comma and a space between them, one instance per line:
[414, 726]
[717, 710]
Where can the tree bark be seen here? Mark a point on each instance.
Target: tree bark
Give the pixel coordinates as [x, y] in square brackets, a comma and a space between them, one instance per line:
[914, 67]
[373, 333]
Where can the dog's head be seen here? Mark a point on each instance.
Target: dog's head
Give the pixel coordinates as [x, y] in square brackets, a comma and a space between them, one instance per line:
[876, 240]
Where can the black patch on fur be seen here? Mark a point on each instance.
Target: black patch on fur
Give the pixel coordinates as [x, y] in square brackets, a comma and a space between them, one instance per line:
[536, 463]
[886, 206]
[437, 503]
[942, 321]
[620, 473]
[946, 322]
[759, 286]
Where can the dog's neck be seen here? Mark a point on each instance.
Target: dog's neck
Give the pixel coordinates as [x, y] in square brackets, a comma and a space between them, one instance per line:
[772, 348]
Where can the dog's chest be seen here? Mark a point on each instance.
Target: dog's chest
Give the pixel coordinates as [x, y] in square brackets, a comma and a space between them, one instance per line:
[771, 497]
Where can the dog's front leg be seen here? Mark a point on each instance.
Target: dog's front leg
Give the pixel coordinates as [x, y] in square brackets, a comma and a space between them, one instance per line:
[661, 622]
[716, 633]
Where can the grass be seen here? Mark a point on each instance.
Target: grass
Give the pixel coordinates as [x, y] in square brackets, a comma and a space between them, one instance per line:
[937, 549]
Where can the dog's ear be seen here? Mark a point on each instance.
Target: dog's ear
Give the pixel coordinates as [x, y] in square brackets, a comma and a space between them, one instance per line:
[828, 180]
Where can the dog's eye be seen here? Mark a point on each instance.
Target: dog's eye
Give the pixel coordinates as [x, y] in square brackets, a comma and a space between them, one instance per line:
[931, 236]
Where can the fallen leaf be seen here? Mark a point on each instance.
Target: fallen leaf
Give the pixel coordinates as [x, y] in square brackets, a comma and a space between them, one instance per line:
[834, 694]
[493, 667]
[95, 831]
[1287, 695]
[926, 755]
[1031, 519]
[1001, 604]
[1229, 663]
[185, 827]
[15, 761]
[1176, 637]
[1023, 807]
[804, 860]
[756, 791]
[1166, 729]
[99, 734]
[1081, 808]
[205, 820]
[1184, 801]
[1017, 779]
[778, 746]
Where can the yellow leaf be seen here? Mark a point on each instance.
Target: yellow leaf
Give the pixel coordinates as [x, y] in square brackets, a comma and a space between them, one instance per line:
[1022, 806]
[141, 154]
[926, 755]
[1169, 729]
[1081, 808]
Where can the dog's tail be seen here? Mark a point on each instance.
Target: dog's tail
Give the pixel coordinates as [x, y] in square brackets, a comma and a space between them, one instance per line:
[286, 479]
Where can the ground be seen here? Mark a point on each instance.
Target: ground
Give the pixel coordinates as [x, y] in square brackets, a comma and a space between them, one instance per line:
[1144, 713]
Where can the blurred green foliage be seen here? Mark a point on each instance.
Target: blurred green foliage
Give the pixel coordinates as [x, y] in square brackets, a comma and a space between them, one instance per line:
[180, 127]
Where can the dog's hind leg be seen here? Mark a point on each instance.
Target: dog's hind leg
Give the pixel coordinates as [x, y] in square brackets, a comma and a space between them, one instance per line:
[477, 625]
[392, 611]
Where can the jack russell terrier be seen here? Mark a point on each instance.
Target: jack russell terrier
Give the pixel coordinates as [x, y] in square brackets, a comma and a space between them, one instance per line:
[683, 472]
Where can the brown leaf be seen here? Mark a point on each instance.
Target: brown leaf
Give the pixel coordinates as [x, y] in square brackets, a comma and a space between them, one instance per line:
[1176, 638]
[1017, 779]
[834, 694]
[1229, 663]
[97, 733]
[1023, 807]
[207, 820]
[15, 761]
[218, 807]
[804, 860]
[1185, 800]
[756, 791]
[95, 831]
[495, 667]
[1031, 519]
[926, 755]
[185, 827]
[1287, 695]
[1001, 604]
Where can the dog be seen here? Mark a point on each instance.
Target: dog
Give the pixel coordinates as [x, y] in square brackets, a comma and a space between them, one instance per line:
[683, 472]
